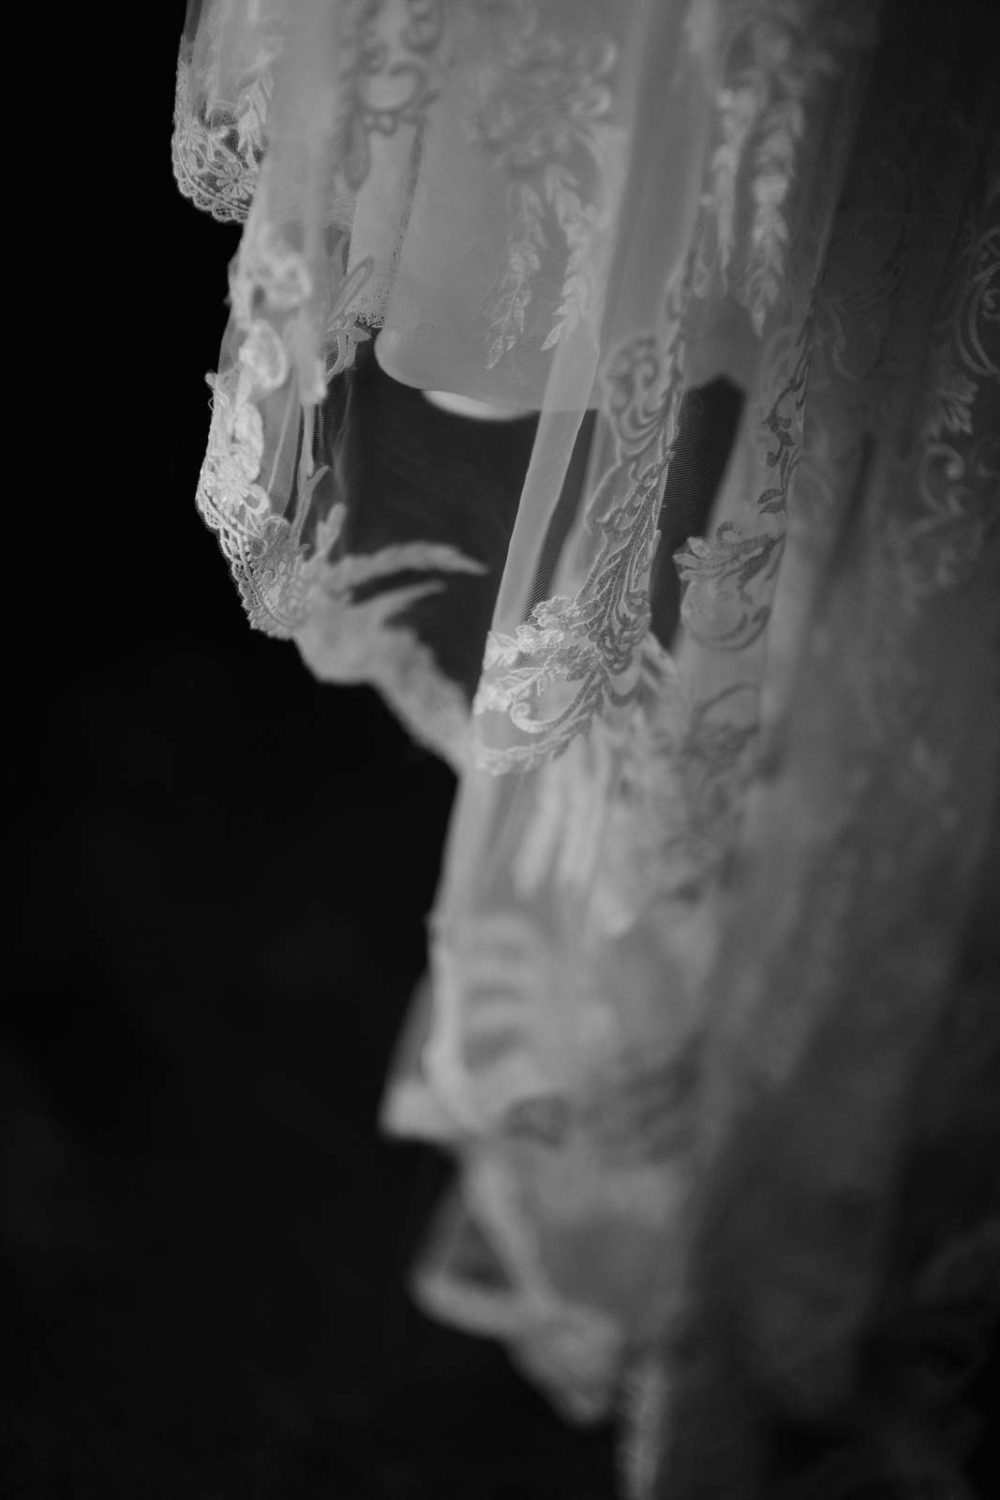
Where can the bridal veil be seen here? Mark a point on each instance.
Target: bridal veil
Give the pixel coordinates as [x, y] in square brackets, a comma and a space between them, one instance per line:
[699, 991]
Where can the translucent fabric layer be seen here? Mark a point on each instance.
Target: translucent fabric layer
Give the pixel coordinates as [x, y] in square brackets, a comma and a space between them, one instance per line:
[710, 634]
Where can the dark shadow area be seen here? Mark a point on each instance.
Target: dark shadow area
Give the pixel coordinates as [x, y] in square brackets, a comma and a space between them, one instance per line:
[221, 878]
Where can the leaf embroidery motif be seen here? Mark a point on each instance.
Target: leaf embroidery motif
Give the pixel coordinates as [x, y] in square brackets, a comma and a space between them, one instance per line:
[719, 606]
[777, 57]
[578, 657]
[216, 153]
[544, 114]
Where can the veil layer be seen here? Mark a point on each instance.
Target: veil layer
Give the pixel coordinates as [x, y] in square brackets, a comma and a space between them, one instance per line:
[729, 739]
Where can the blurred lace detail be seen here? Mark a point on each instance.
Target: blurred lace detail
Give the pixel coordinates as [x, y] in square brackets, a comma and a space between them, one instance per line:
[290, 589]
[590, 643]
[345, 640]
[960, 439]
[726, 780]
[822, 1016]
[778, 59]
[543, 111]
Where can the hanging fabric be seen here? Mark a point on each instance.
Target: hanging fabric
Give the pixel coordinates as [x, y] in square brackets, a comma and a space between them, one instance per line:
[706, 618]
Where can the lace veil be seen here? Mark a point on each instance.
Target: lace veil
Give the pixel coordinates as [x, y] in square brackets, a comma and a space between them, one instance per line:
[726, 761]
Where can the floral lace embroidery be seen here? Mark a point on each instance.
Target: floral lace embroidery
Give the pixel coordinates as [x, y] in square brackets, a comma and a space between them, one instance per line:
[935, 545]
[291, 590]
[648, 815]
[723, 575]
[289, 325]
[776, 57]
[960, 447]
[298, 327]
[591, 642]
[217, 153]
[544, 113]
[386, 78]
[271, 290]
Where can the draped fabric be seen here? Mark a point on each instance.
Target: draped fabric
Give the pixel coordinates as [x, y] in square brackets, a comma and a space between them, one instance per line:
[709, 630]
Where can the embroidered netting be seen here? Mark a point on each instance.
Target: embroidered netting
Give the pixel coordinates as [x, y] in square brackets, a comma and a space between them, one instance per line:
[715, 655]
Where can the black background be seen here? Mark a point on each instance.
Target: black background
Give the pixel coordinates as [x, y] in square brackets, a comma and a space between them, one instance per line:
[222, 871]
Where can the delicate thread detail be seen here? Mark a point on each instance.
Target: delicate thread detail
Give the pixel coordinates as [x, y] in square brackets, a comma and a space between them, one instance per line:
[960, 441]
[589, 643]
[778, 55]
[386, 81]
[724, 576]
[217, 153]
[544, 113]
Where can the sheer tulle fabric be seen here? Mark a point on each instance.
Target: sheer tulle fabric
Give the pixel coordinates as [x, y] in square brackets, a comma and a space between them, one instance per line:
[709, 867]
